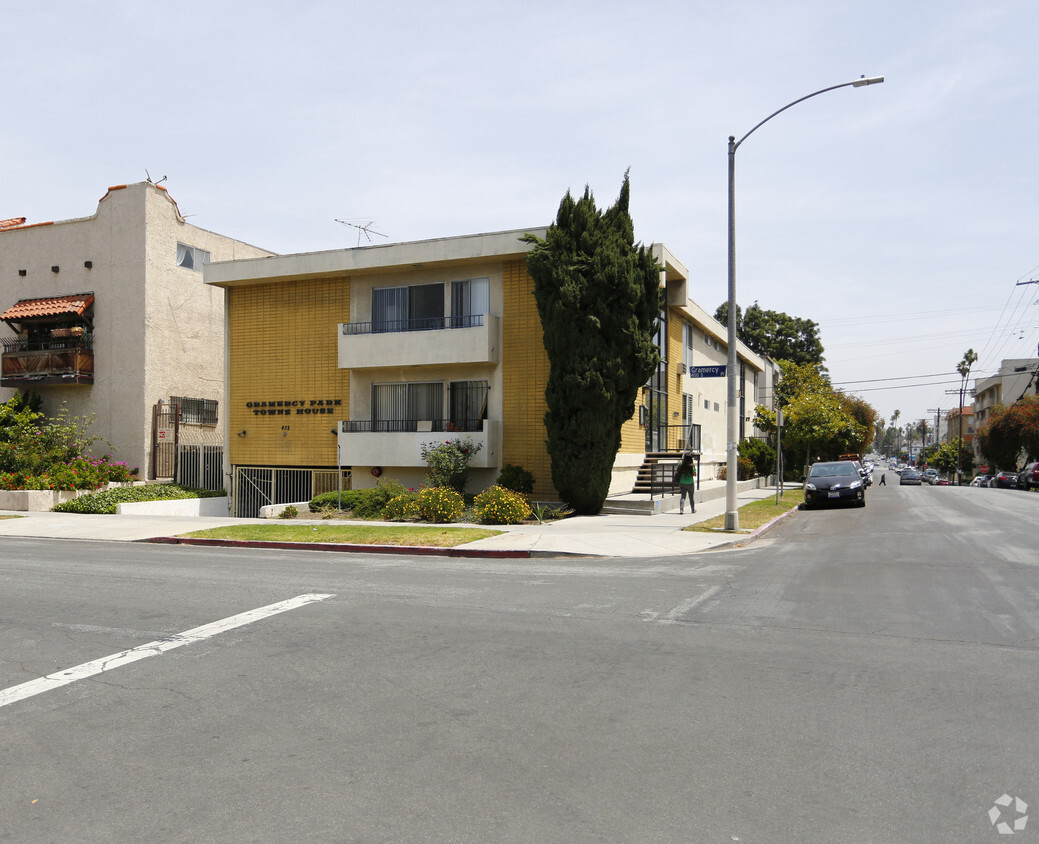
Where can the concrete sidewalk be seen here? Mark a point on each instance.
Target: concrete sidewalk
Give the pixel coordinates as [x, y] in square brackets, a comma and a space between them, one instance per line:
[595, 536]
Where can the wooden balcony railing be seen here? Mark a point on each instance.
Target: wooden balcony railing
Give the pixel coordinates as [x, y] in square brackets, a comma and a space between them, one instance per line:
[31, 362]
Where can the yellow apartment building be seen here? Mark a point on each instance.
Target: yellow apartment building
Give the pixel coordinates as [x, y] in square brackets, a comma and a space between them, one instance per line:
[341, 365]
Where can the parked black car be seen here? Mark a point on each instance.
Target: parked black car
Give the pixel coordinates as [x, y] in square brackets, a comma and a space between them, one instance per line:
[1028, 478]
[1004, 480]
[833, 483]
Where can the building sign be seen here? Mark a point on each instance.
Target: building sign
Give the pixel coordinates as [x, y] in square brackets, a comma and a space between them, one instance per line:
[294, 407]
[713, 371]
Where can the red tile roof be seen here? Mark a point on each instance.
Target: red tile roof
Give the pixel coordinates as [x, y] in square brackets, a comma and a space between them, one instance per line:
[77, 303]
[12, 223]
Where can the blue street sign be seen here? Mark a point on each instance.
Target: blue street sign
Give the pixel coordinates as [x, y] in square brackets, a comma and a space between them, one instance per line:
[714, 371]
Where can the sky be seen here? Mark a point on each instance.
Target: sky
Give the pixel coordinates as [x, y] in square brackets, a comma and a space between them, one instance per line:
[901, 217]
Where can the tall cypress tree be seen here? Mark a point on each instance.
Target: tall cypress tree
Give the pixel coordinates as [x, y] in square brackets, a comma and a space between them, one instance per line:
[598, 295]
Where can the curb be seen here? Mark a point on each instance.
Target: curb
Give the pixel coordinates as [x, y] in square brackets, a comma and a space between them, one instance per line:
[757, 533]
[415, 550]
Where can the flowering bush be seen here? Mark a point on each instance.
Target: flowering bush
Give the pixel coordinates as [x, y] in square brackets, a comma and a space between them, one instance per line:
[499, 506]
[401, 508]
[448, 462]
[37, 452]
[440, 504]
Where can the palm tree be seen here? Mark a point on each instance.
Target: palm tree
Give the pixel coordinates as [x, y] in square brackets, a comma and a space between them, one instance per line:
[898, 442]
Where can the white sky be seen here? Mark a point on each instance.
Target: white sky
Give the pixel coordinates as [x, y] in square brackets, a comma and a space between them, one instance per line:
[897, 216]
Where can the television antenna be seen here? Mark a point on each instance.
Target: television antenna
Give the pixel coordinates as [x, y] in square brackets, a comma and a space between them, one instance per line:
[362, 228]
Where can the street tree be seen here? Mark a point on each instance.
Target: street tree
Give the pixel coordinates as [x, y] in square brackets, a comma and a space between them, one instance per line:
[780, 336]
[598, 296]
[1010, 433]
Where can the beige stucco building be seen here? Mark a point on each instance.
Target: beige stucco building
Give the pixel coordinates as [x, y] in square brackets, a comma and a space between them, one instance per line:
[109, 315]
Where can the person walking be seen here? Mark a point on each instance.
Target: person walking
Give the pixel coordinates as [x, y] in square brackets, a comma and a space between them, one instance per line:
[685, 477]
[883, 479]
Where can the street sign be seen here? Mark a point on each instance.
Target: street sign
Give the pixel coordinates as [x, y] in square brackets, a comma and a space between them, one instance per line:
[714, 371]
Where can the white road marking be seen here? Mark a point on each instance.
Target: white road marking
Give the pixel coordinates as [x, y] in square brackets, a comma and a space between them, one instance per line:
[188, 637]
[685, 606]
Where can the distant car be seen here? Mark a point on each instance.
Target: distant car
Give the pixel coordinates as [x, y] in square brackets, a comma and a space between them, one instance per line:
[833, 483]
[930, 473]
[1004, 480]
[941, 480]
[910, 477]
[981, 480]
[1028, 478]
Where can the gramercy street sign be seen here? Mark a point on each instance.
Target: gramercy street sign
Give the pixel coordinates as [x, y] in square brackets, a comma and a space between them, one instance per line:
[713, 371]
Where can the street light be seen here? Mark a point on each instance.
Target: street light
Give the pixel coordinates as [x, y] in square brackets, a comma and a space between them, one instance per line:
[732, 516]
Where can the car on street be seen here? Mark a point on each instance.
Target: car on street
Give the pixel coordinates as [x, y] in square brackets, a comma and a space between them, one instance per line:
[910, 477]
[834, 482]
[1028, 478]
[1004, 480]
[981, 480]
[929, 474]
[941, 480]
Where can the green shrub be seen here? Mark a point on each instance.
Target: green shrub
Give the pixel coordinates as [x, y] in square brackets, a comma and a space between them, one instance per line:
[401, 508]
[448, 462]
[289, 512]
[350, 497]
[372, 501]
[440, 505]
[106, 500]
[516, 478]
[500, 506]
[761, 455]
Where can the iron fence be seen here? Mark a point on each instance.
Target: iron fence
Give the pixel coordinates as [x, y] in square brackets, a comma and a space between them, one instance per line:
[256, 486]
[200, 466]
[394, 326]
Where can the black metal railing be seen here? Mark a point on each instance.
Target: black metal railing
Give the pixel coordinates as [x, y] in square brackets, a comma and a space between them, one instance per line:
[395, 326]
[674, 438]
[396, 426]
[47, 344]
[661, 478]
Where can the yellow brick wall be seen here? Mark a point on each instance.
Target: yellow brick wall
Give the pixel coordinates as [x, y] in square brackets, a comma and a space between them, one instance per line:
[524, 370]
[674, 377]
[283, 347]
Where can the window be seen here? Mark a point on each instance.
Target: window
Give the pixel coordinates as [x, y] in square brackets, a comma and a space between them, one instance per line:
[707, 404]
[196, 411]
[418, 307]
[470, 300]
[716, 407]
[687, 345]
[467, 401]
[191, 257]
[398, 407]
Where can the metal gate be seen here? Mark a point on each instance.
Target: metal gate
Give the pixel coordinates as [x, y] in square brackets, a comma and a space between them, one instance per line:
[200, 466]
[165, 435]
[256, 487]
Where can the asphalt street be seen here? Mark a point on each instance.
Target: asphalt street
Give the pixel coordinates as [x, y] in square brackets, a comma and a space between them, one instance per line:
[857, 675]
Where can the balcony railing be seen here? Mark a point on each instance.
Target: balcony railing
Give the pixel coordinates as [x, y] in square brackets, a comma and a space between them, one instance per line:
[365, 443]
[28, 361]
[444, 341]
[422, 324]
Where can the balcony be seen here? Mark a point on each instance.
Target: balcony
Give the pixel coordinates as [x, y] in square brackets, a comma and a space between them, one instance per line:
[30, 362]
[399, 443]
[419, 342]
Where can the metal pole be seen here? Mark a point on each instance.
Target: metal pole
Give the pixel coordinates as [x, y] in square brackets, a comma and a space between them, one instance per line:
[732, 513]
[732, 517]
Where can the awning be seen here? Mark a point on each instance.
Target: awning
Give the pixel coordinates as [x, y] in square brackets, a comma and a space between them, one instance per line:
[31, 310]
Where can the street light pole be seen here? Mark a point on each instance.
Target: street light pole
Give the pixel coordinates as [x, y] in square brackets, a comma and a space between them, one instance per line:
[732, 516]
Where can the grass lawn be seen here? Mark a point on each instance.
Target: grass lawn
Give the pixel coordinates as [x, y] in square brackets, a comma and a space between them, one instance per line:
[426, 535]
[12, 517]
[755, 514]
